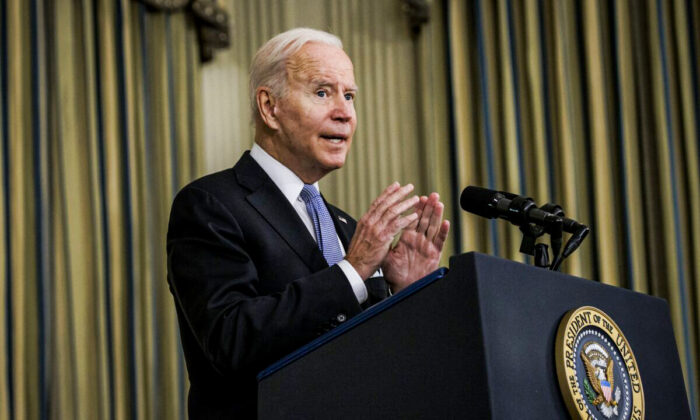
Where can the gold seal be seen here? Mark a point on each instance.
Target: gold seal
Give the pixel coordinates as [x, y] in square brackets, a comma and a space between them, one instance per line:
[598, 373]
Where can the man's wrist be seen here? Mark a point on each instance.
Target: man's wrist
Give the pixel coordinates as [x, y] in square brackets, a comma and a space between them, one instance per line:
[355, 280]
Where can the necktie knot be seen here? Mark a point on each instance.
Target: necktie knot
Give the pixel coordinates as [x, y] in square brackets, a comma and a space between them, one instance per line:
[308, 193]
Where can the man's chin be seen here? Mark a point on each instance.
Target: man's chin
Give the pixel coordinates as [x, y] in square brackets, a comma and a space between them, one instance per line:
[332, 166]
[334, 161]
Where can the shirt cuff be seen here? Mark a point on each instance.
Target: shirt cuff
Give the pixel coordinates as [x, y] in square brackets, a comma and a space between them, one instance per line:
[356, 282]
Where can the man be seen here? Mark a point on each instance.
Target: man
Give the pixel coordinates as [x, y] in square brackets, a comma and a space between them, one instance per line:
[258, 263]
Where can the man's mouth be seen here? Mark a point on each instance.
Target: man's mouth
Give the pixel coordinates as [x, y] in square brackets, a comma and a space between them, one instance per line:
[334, 138]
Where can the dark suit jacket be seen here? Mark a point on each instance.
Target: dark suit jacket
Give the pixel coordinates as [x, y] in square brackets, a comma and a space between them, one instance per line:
[250, 284]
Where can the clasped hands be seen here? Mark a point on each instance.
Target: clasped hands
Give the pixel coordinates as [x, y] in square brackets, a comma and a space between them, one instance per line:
[417, 252]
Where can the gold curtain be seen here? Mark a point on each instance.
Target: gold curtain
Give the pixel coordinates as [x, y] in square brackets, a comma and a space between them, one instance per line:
[593, 105]
[590, 104]
[99, 126]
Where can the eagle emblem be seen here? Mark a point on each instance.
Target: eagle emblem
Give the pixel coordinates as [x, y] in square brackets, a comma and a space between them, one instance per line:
[596, 381]
[600, 380]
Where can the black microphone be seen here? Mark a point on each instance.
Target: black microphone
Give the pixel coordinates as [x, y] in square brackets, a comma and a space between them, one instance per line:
[516, 209]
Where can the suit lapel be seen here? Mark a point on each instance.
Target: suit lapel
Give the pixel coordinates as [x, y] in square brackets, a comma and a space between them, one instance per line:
[269, 201]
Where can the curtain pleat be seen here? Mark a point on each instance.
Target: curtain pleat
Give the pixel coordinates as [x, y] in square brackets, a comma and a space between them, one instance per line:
[592, 105]
[99, 127]
[630, 156]
[5, 311]
[23, 322]
[460, 31]
[596, 84]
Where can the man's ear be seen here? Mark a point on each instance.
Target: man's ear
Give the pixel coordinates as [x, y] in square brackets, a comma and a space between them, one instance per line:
[266, 107]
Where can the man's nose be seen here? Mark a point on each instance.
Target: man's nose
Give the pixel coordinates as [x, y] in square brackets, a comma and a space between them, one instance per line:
[343, 109]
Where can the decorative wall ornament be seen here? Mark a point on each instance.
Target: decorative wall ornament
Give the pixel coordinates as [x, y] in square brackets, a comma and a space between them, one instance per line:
[165, 5]
[211, 21]
[212, 27]
[418, 12]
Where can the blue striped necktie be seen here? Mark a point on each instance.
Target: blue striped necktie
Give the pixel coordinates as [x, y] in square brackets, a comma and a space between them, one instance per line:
[326, 236]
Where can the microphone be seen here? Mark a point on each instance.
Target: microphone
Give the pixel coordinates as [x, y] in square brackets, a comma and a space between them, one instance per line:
[516, 209]
[533, 221]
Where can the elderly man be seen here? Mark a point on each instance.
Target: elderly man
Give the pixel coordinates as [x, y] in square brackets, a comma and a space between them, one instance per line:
[258, 263]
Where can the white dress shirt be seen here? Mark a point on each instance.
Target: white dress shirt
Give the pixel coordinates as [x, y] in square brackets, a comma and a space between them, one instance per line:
[291, 185]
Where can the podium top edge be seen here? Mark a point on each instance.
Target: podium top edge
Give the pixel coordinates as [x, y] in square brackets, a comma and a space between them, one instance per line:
[478, 256]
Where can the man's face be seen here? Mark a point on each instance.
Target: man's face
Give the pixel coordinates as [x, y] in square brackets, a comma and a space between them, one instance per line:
[316, 115]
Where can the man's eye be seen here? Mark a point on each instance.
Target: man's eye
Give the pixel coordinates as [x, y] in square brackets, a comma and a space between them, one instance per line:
[349, 96]
[321, 94]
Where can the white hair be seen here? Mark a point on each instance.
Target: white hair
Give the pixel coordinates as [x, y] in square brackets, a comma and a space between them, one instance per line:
[269, 64]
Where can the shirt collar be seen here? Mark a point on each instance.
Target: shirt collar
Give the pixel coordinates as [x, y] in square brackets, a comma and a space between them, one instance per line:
[286, 180]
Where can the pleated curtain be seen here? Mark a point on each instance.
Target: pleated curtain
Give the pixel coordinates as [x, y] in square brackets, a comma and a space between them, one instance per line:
[593, 105]
[99, 126]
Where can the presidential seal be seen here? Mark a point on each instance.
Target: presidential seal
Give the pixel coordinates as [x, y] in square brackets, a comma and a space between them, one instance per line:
[597, 371]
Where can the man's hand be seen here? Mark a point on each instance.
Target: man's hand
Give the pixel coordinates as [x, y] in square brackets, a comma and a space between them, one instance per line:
[377, 228]
[417, 253]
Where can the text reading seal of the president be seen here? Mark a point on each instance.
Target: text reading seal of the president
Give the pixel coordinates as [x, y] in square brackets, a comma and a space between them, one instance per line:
[598, 373]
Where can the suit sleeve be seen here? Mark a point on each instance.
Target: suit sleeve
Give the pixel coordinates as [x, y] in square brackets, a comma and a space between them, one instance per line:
[377, 290]
[215, 285]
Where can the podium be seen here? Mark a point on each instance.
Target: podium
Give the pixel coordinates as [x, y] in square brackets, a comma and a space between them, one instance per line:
[477, 341]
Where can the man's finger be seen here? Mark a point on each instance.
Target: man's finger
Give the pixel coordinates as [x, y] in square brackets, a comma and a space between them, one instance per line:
[418, 208]
[393, 198]
[420, 205]
[427, 213]
[435, 221]
[404, 221]
[396, 210]
[441, 236]
[380, 198]
[388, 198]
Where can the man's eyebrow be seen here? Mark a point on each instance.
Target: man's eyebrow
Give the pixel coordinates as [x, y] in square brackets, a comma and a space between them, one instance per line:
[324, 83]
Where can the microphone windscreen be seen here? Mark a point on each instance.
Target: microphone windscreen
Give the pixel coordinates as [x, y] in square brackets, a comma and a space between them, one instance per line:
[480, 201]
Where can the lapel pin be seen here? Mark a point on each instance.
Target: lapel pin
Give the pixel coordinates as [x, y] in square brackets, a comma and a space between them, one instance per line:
[342, 219]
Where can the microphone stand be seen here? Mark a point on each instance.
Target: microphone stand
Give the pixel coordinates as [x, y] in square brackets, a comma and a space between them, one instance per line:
[554, 226]
[571, 246]
[529, 246]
